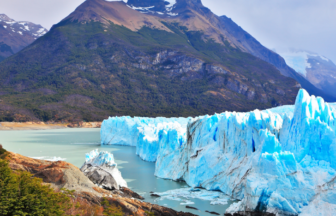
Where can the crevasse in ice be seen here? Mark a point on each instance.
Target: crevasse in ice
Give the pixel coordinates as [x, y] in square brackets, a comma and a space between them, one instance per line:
[280, 160]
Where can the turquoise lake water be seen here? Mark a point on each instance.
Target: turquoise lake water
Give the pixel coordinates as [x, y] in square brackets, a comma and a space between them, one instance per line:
[71, 145]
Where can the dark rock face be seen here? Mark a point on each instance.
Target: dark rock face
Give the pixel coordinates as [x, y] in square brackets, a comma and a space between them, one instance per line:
[155, 195]
[322, 74]
[212, 212]
[190, 207]
[100, 177]
[131, 193]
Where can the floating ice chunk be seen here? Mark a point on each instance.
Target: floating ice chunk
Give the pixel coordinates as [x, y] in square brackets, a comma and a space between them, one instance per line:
[185, 194]
[187, 202]
[50, 158]
[103, 163]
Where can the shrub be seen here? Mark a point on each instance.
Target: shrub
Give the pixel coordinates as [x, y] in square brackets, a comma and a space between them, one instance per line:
[20, 194]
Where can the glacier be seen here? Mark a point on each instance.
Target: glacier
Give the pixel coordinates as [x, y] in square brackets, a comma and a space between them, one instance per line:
[281, 160]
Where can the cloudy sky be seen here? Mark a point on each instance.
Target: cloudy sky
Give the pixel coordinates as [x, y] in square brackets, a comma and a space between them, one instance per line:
[278, 24]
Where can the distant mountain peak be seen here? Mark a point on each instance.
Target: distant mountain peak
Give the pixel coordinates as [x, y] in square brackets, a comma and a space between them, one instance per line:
[300, 60]
[5, 18]
[317, 69]
[16, 35]
[22, 27]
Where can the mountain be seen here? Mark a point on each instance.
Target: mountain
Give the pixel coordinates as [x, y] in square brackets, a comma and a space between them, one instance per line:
[14, 36]
[195, 16]
[317, 69]
[146, 58]
[249, 44]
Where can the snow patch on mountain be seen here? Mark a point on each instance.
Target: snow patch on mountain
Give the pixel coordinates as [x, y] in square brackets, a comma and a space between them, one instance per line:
[140, 8]
[152, 9]
[170, 6]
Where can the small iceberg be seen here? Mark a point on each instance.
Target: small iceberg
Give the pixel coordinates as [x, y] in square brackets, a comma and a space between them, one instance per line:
[102, 170]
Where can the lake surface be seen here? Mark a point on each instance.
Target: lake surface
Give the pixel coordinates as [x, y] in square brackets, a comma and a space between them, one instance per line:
[71, 145]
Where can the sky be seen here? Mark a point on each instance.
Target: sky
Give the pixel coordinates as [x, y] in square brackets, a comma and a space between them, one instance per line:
[280, 25]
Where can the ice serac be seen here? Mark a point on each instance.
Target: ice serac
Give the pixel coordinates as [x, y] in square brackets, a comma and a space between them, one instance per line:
[102, 170]
[281, 161]
[144, 133]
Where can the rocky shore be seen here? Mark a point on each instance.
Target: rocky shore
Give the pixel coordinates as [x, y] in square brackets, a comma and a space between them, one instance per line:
[46, 125]
[60, 175]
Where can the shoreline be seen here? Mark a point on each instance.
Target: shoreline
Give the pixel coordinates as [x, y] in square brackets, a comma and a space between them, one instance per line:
[6, 126]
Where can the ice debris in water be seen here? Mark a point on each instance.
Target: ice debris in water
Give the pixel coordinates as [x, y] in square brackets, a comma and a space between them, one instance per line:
[100, 158]
[184, 195]
[280, 160]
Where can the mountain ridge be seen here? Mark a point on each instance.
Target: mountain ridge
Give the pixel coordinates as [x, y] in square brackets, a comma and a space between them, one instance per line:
[196, 17]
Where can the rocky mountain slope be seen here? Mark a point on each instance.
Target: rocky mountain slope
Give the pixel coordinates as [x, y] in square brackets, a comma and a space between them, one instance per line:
[147, 58]
[192, 14]
[317, 69]
[14, 36]
[251, 45]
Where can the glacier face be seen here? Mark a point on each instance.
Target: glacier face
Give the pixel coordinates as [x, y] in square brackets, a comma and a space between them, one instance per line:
[281, 160]
[140, 132]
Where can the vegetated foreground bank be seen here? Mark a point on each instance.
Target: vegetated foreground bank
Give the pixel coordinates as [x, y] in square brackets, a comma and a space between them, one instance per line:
[60, 188]
[46, 126]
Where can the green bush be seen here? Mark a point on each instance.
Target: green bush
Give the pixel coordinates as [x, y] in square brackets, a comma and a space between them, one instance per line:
[21, 194]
